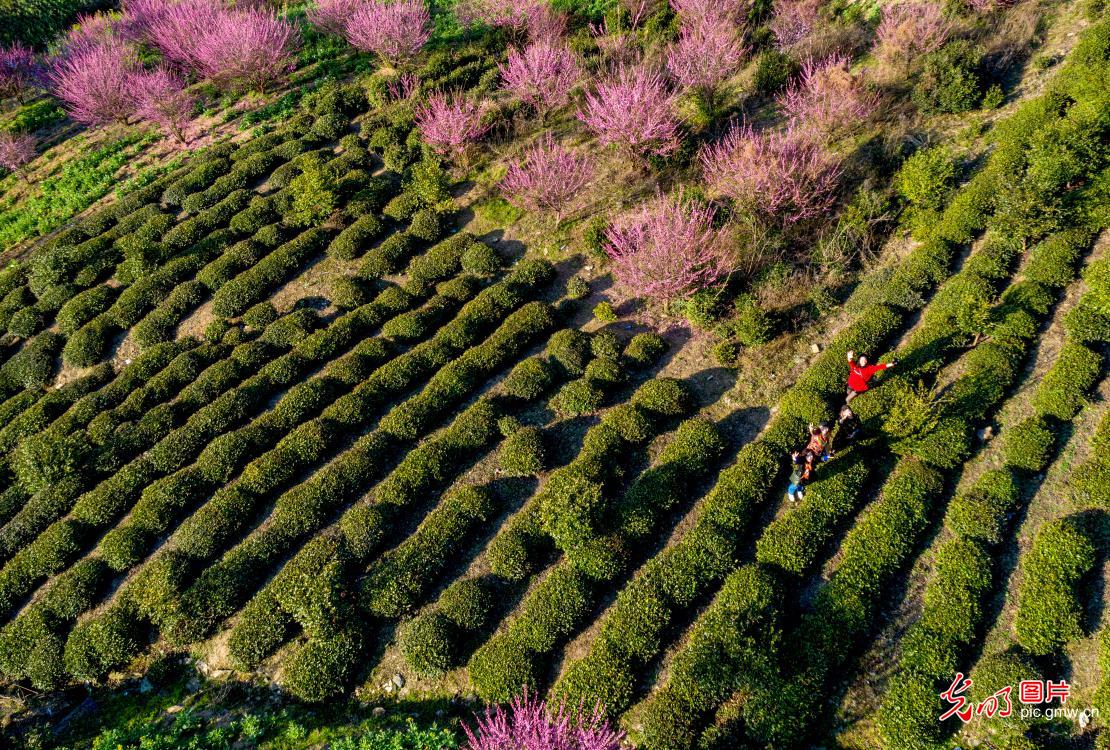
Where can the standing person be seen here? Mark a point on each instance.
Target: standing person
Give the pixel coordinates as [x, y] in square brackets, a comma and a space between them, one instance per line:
[859, 373]
[820, 440]
[803, 470]
[847, 427]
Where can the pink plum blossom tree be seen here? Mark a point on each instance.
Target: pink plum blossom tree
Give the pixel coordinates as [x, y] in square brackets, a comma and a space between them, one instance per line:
[668, 248]
[547, 179]
[617, 45]
[530, 724]
[94, 83]
[16, 151]
[331, 16]
[178, 28]
[911, 28]
[20, 71]
[531, 19]
[716, 11]
[163, 100]
[707, 52]
[137, 17]
[827, 96]
[783, 175]
[396, 32]
[792, 21]
[247, 49]
[450, 123]
[89, 31]
[633, 109]
[542, 75]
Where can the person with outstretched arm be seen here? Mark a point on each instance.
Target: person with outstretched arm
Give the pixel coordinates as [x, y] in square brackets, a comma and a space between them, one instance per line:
[860, 373]
[820, 440]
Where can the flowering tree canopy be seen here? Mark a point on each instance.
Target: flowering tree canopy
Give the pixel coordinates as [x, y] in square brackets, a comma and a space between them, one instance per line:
[534, 18]
[706, 53]
[175, 29]
[785, 174]
[394, 31]
[548, 178]
[827, 96]
[15, 151]
[247, 49]
[717, 11]
[19, 71]
[449, 123]
[542, 75]
[162, 99]
[911, 28]
[89, 31]
[239, 48]
[668, 248]
[94, 83]
[793, 21]
[530, 724]
[331, 16]
[635, 110]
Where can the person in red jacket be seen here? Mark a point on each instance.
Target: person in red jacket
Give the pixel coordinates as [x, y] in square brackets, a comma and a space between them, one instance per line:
[859, 373]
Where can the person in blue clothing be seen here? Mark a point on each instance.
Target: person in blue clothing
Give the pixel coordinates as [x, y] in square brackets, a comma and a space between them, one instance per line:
[799, 478]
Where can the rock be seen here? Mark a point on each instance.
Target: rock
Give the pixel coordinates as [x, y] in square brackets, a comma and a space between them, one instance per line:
[440, 713]
[388, 686]
[145, 686]
[175, 709]
[815, 348]
[378, 712]
[588, 268]
[1084, 718]
[986, 433]
[399, 680]
[219, 674]
[193, 685]
[202, 667]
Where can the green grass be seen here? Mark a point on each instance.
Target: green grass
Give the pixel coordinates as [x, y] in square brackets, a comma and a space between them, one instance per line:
[498, 211]
[218, 718]
[80, 183]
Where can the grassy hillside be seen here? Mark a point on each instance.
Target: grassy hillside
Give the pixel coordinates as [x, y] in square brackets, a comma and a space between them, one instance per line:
[314, 432]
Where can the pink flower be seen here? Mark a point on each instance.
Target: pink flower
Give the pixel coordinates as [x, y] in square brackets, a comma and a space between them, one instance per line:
[94, 83]
[635, 110]
[911, 28]
[793, 21]
[547, 179]
[827, 97]
[706, 53]
[714, 11]
[534, 18]
[331, 16]
[162, 99]
[395, 31]
[449, 123]
[16, 151]
[178, 28]
[88, 32]
[668, 248]
[19, 71]
[543, 75]
[530, 724]
[785, 174]
[247, 49]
